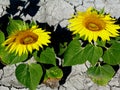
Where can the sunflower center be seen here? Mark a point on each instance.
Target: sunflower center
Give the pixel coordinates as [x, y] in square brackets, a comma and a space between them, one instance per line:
[29, 38]
[93, 27]
[94, 24]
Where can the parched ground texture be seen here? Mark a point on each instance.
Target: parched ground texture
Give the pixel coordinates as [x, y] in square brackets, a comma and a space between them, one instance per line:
[56, 12]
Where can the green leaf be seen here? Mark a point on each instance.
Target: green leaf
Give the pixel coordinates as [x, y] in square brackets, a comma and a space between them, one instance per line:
[16, 25]
[62, 48]
[47, 56]
[93, 53]
[29, 75]
[117, 38]
[101, 74]
[53, 72]
[101, 43]
[11, 58]
[2, 37]
[112, 54]
[74, 54]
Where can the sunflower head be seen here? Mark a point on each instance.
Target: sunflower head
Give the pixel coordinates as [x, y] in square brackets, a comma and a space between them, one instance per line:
[26, 40]
[93, 24]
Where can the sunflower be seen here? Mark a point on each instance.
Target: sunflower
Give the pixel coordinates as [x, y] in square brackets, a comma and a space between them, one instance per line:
[91, 24]
[24, 41]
